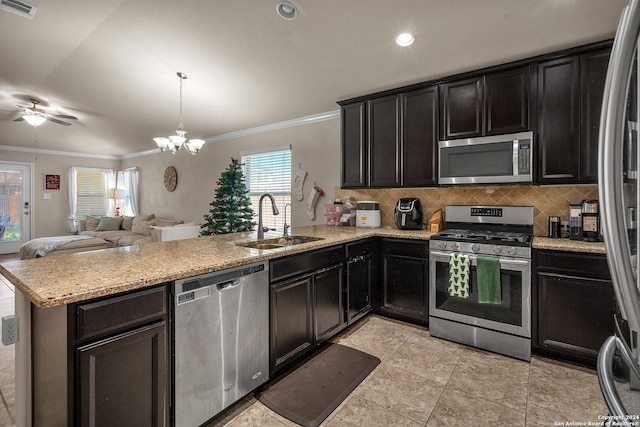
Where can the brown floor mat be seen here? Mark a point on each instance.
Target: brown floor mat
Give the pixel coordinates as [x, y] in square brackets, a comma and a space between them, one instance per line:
[311, 392]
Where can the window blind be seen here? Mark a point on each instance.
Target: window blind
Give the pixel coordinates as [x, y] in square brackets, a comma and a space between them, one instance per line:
[91, 193]
[269, 172]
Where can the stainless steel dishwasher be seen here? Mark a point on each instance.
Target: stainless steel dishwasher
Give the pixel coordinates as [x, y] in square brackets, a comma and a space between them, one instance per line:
[221, 340]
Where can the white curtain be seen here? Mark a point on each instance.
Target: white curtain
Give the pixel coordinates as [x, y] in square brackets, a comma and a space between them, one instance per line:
[72, 225]
[110, 183]
[132, 207]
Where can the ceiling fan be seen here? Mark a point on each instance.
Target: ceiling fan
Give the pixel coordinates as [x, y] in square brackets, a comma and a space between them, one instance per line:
[36, 116]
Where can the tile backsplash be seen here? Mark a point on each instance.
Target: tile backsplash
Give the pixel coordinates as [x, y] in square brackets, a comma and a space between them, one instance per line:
[547, 200]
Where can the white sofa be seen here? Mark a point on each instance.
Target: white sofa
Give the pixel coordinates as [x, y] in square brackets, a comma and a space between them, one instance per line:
[126, 231]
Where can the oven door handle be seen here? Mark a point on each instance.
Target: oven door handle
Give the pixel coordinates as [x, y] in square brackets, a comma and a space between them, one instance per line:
[474, 258]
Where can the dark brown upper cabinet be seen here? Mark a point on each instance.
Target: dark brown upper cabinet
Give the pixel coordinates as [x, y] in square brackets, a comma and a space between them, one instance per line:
[490, 104]
[570, 93]
[420, 137]
[384, 141]
[394, 144]
[403, 138]
[462, 111]
[593, 73]
[507, 100]
[390, 139]
[353, 160]
[558, 120]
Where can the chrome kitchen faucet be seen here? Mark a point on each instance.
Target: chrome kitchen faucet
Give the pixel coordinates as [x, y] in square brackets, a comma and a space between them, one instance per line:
[262, 229]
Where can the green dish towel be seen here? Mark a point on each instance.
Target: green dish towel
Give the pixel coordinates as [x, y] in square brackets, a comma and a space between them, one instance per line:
[458, 275]
[489, 289]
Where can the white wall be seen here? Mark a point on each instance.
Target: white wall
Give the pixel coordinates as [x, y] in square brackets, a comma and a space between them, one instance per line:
[51, 216]
[315, 146]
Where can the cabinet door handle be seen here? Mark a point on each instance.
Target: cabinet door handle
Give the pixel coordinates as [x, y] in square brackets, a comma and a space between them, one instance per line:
[323, 270]
[358, 259]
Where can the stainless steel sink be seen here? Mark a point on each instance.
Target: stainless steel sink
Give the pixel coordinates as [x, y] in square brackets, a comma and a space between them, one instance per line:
[279, 242]
[265, 246]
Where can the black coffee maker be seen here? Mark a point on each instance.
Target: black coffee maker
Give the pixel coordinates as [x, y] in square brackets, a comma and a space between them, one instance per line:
[408, 214]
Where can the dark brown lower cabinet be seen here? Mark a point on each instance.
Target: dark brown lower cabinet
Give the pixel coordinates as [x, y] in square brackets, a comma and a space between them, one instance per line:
[574, 305]
[120, 363]
[328, 306]
[122, 380]
[360, 275]
[291, 321]
[405, 280]
[307, 303]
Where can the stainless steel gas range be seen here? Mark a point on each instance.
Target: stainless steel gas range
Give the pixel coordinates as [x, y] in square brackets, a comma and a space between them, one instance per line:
[480, 278]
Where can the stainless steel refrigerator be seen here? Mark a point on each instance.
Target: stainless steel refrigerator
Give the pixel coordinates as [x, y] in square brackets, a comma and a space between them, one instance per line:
[619, 358]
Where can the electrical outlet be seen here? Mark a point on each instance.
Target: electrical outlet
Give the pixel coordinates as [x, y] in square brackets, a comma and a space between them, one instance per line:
[9, 329]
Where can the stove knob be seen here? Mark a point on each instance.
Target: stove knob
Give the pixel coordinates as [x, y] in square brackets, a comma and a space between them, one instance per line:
[454, 246]
[512, 250]
[497, 249]
[475, 247]
[442, 245]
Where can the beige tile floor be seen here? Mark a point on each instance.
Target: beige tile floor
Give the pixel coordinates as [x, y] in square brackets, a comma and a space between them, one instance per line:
[422, 381]
[7, 353]
[425, 381]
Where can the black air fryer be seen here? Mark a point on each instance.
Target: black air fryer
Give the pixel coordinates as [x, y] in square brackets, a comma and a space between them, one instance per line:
[408, 214]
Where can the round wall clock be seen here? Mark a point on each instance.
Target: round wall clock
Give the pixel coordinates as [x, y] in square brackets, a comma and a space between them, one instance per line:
[170, 178]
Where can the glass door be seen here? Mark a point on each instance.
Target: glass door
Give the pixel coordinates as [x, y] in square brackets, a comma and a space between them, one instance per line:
[15, 205]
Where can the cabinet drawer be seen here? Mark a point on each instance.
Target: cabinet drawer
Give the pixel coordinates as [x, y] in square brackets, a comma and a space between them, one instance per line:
[408, 248]
[296, 265]
[573, 264]
[116, 314]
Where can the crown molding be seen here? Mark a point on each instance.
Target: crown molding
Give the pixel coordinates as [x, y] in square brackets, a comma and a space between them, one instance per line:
[57, 152]
[300, 121]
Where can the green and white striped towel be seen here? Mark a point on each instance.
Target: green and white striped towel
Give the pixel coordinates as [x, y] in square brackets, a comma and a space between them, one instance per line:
[458, 275]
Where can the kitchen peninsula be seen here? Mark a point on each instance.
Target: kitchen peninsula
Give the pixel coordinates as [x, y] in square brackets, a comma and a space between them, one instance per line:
[48, 286]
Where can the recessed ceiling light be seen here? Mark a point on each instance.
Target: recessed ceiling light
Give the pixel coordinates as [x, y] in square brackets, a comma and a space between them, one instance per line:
[287, 10]
[404, 39]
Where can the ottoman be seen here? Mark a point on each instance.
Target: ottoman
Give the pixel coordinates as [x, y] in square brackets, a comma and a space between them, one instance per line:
[60, 245]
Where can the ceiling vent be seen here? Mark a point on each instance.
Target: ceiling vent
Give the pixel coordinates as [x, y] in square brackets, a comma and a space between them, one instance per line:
[20, 8]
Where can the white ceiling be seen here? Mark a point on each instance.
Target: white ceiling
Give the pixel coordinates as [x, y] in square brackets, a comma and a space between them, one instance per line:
[113, 63]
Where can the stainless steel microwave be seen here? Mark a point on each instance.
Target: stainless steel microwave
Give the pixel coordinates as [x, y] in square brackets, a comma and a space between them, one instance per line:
[498, 159]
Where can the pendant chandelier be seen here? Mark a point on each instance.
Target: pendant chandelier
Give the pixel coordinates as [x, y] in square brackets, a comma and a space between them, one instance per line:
[173, 143]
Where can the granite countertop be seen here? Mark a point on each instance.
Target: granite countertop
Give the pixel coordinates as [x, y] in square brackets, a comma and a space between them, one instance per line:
[65, 279]
[568, 245]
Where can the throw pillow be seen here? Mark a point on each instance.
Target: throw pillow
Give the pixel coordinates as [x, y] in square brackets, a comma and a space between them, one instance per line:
[164, 222]
[127, 222]
[92, 223]
[144, 217]
[109, 223]
[141, 227]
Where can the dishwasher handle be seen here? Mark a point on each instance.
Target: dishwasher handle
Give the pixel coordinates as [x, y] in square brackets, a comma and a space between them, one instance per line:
[219, 279]
[227, 285]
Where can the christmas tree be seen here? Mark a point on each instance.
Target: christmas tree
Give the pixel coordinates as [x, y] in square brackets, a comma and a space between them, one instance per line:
[231, 210]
